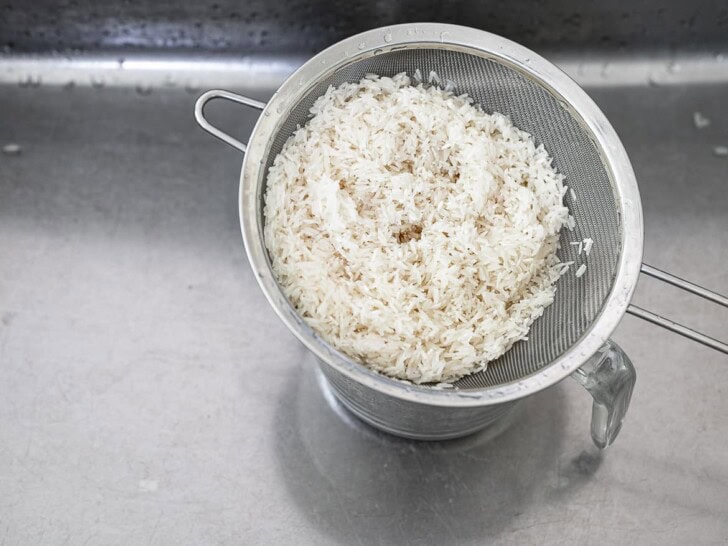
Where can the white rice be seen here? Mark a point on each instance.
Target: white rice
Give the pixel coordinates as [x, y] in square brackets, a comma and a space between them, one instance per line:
[413, 231]
[564, 267]
[588, 243]
[580, 271]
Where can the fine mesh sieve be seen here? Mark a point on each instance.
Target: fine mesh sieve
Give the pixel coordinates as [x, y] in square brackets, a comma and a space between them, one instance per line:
[501, 77]
[498, 88]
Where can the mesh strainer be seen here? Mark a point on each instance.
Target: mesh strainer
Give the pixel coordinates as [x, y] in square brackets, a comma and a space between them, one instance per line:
[571, 338]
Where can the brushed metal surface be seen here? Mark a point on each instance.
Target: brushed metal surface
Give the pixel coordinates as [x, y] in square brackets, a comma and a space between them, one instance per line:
[310, 25]
[149, 394]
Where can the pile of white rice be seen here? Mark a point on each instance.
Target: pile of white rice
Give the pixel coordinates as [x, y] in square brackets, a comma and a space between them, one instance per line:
[413, 231]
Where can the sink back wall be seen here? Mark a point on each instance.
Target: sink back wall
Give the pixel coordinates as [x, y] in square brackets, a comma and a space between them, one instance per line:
[307, 26]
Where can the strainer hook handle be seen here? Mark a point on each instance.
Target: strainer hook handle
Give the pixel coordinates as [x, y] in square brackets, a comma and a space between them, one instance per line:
[209, 127]
[609, 376]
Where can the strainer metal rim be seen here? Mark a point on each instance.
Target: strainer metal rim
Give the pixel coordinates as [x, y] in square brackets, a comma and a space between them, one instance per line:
[535, 67]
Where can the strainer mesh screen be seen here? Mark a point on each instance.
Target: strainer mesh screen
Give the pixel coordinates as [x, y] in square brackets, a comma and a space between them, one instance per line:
[498, 88]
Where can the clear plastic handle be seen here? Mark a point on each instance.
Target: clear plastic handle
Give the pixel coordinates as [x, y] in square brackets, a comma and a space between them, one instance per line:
[609, 376]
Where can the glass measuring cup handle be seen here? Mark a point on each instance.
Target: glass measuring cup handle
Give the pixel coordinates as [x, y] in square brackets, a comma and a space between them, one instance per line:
[609, 376]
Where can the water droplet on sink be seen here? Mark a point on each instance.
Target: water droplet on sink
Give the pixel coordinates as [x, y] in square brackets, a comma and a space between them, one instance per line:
[388, 37]
[30, 81]
[12, 149]
[443, 36]
[411, 31]
[720, 151]
[362, 45]
[700, 121]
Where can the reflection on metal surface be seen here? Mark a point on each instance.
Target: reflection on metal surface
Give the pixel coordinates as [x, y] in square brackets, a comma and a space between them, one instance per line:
[264, 72]
[254, 73]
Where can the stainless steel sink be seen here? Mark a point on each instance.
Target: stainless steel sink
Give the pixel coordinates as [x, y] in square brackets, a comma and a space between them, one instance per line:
[136, 350]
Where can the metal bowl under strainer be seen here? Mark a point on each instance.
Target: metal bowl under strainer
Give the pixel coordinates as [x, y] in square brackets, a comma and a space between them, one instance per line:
[572, 336]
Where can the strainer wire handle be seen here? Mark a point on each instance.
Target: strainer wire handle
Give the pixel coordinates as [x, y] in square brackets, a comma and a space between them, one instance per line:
[209, 127]
[685, 285]
[673, 326]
